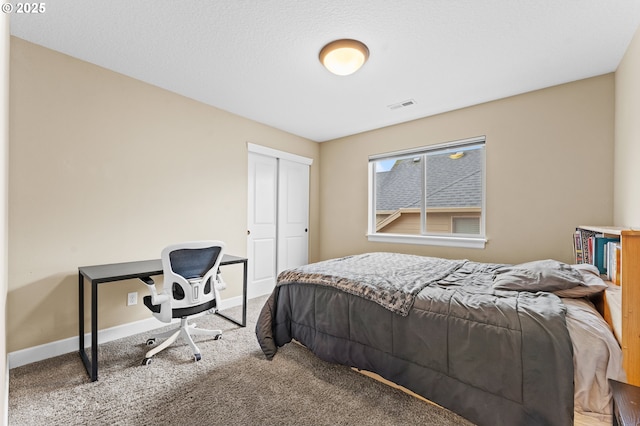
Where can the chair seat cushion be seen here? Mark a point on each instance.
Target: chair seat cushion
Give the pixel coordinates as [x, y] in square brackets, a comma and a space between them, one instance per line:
[192, 310]
[181, 312]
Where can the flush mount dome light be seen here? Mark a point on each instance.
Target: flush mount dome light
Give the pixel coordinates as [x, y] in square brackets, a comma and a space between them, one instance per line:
[344, 57]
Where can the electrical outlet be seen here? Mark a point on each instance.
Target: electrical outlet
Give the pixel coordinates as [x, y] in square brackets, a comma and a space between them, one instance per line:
[132, 298]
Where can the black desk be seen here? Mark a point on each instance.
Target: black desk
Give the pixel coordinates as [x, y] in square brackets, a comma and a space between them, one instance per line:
[99, 274]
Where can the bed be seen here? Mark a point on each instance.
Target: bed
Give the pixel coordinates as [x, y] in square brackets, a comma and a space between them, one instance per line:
[494, 343]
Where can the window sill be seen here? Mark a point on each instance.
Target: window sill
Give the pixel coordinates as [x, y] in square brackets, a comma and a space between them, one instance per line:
[429, 240]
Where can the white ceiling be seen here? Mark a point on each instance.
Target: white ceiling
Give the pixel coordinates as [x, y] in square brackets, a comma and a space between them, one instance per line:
[259, 58]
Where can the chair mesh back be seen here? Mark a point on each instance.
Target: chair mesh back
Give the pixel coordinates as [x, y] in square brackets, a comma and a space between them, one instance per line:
[193, 263]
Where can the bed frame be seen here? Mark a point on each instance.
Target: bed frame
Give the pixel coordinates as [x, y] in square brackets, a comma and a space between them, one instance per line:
[626, 322]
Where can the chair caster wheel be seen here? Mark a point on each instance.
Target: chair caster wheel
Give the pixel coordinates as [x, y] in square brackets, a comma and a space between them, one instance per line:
[197, 357]
[146, 361]
[151, 341]
[218, 337]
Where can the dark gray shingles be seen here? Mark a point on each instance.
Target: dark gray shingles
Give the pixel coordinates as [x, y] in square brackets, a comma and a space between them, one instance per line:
[450, 182]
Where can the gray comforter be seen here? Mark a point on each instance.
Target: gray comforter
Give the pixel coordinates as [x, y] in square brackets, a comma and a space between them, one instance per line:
[435, 327]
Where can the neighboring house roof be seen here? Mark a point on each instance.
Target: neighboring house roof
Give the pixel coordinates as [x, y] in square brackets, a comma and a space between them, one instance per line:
[450, 183]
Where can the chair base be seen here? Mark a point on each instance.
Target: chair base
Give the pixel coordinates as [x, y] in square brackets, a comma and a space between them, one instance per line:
[185, 331]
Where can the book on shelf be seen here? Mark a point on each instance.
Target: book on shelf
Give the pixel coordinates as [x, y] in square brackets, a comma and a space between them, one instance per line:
[600, 252]
[584, 239]
[613, 261]
[597, 249]
[577, 247]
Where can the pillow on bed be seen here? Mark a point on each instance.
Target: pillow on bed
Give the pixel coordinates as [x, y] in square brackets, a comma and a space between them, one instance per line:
[593, 284]
[539, 275]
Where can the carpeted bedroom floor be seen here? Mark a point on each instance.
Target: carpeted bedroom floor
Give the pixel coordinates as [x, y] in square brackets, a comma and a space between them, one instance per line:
[233, 384]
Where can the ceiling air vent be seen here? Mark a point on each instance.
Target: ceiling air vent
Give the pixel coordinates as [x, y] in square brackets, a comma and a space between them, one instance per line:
[402, 104]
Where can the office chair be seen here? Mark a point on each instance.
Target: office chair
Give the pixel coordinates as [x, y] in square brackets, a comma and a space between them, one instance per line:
[190, 287]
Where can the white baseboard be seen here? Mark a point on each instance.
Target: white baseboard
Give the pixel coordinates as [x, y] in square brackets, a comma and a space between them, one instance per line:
[65, 346]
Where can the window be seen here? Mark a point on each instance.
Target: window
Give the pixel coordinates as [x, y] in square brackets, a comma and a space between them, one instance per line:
[466, 225]
[430, 195]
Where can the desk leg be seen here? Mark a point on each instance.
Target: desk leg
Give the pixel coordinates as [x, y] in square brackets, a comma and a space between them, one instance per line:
[244, 295]
[94, 331]
[81, 316]
[242, 323]
[91, 365]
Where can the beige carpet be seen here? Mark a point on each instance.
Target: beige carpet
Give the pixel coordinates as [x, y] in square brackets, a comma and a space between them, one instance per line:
[233, 384]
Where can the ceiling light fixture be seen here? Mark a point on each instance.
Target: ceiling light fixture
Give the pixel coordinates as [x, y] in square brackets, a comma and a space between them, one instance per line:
[344, 57]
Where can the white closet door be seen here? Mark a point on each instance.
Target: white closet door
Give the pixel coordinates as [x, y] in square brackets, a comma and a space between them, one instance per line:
[262, 224]
[293, 215]
[278, 216]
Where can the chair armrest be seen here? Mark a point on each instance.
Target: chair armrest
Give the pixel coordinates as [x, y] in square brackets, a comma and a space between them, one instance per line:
[156, 299]
[147, 280]
[159, 299]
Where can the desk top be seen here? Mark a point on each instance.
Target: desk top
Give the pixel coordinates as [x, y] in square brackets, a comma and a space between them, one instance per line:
[143, 268]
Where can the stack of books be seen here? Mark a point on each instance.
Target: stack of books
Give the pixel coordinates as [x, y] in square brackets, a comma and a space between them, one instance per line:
[603, 252]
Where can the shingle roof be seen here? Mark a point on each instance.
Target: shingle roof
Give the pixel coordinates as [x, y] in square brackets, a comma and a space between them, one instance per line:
[450, 183]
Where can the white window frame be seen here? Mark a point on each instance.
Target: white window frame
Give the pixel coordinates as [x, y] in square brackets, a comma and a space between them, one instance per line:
[463, 241]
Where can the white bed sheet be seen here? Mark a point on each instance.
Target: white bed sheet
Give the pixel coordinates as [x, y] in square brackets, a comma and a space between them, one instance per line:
[597, 357]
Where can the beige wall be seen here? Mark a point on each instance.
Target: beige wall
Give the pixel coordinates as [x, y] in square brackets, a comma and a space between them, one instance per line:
[549, 159]
[627, 139]
[4, 146]
[105, 168]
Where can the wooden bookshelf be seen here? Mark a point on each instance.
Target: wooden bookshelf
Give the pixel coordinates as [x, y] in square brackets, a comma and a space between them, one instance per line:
[630, 288]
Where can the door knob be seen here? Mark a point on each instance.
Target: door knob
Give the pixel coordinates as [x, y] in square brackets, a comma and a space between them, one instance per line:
[248, 232]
